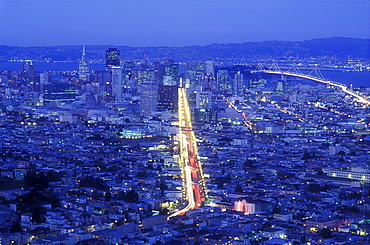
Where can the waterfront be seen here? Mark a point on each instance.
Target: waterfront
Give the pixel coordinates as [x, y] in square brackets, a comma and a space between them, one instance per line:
[357, 79]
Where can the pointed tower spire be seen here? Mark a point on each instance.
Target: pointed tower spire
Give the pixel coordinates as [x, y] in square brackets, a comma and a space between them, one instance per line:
[83, 59]
[83, 68]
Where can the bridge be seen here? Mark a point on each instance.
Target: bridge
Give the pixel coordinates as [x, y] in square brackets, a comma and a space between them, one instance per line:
[316, 76]
[194, 192]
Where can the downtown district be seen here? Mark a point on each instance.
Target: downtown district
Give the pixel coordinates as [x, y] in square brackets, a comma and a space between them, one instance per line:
[93, 157]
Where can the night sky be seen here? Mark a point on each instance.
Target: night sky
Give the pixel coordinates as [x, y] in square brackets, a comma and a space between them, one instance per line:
[178, 22]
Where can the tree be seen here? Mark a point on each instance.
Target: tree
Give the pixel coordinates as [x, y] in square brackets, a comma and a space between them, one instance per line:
[315, 188]
[249, 163]
[114, 168]
[16, 227]
[142, 173]
[257, 176]
[307, 155]
[163, 211]
[354, 209]
[37, 214]
[89, 181]
[326, 233]
[132, 196]
[266, 226]
[52, 176]
[163, 187]
[108, 196]
[341, 153]
[238, 188]
[32, 179]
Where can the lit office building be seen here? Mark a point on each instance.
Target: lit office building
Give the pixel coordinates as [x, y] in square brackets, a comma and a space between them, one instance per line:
[59, 92]
[116, 78]
[148, 97]
[167, 98]
[112, 57]
[83, 69]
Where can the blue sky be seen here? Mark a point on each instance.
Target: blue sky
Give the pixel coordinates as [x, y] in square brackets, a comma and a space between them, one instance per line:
[178, 22]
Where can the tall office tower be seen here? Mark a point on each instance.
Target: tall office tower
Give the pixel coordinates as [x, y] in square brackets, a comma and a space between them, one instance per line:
[210, 68]
[208, 83]
[148, 97]
[112, 57]
[104, 86]
[128, 69]
[59, 92]
[238, 84]
[44, 79]
[169, 73]
[157, 69]
[203, 100]
[280, 86]
[27, 70]
[200, 68]
[116, 78]
[257, 83]
[223, 80]
[143, 73]
[167, 98]
[83, 69]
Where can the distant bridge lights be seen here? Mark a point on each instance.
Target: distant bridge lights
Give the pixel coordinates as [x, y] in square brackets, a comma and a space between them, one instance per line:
[275, 69]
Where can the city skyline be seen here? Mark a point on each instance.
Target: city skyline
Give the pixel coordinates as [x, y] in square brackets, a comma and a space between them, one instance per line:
[175, 23]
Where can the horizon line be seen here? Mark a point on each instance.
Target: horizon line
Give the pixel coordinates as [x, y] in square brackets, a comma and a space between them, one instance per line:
[194, 45]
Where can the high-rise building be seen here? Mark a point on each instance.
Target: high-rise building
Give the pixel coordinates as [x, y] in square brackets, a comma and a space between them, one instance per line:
[208, 83]
[128, 69]
[116, 78]
[112, 57]
[44, 79]
[203, 100]
[104, 85]
[83, 69]
[257, 83]
[59, 92]
[280, 86]
[204, 115]
[27, 70]
[210, 68]
[148, 97]
[238, 85]
[223, 80]
[167, 98]
[167, 73]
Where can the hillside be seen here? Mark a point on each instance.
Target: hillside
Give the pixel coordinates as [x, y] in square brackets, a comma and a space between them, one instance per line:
[336, 47]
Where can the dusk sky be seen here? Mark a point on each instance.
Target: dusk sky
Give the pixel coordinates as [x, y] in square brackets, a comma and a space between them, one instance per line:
[178, 23]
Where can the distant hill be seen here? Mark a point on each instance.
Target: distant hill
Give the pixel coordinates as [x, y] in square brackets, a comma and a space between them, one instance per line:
[335, 47]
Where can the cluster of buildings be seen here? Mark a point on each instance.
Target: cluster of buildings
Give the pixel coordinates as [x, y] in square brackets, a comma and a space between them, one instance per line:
[93, 158]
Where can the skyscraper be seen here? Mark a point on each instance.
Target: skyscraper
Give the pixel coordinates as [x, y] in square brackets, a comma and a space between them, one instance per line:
[203, 100]
[59, 92]
[112, 57]
[238, 84]
[210, 68]
[223, 80]
[148, 97]
[167, 98]
[44, 79]
[27, 70]
[116, 78]
[104, 85]
[168, 73]
[83, 69]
